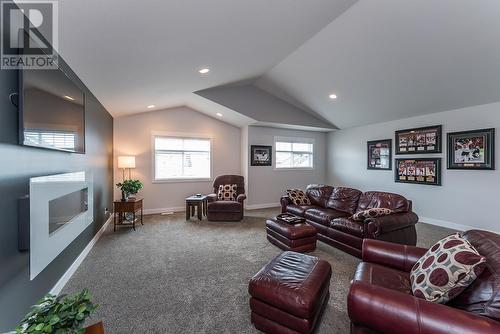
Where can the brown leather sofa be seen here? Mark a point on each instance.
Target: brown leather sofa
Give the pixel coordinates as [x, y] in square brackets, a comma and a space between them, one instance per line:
[380, 299]
[331, 208]
[226, 210]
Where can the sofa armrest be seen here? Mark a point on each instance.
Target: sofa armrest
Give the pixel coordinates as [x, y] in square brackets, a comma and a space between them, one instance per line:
[394, 222]
[400, 257]
[285, 201]
[241, 198]
[211, 197]
[392, 312]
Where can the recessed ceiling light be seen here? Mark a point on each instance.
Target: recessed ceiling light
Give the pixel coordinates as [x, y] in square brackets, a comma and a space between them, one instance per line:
[151, 106]
[219, 114]
[332, 96]
[204, 70]
[69, 98]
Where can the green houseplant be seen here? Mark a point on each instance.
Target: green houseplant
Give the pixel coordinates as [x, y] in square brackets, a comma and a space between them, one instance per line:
[58, 314]
[129, 187]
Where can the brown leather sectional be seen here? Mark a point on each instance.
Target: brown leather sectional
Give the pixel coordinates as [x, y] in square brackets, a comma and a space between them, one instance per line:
[331, 208]
[380, 299]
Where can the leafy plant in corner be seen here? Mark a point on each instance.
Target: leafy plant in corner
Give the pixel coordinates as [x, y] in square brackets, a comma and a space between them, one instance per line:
[129, 187]
[58, 314]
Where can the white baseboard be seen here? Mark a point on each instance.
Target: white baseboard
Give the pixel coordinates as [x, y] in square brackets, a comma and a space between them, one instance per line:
[262, 206]
[74, 266]
[162, 210]
[445, 223]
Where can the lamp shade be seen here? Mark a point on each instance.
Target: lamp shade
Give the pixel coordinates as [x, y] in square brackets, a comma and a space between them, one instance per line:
[126, 161]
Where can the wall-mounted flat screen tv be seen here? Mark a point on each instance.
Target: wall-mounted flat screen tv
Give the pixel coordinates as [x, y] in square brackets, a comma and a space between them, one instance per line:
[51, 111]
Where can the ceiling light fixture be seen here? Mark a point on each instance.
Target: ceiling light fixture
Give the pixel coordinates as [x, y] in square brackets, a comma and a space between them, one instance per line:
[332, 96]
[219, 114]
[151, 106]
[204, 70]
[69, 97]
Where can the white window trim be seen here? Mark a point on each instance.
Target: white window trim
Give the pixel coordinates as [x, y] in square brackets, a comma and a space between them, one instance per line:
[294, 140]
[155, 134]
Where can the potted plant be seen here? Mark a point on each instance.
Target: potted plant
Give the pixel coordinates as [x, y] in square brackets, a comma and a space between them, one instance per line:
[129, 187]
[58, 315]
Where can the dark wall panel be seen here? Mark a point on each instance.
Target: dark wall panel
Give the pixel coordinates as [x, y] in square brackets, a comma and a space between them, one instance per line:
[17, 165]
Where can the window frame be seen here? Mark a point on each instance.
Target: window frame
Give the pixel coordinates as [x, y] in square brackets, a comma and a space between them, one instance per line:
[301, 140]
[156, 134]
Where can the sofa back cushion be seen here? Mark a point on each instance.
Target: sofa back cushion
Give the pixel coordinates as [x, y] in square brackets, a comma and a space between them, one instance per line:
[482, 297]
[319, 194]
[377, 199]
[344, 199]
[230, 179]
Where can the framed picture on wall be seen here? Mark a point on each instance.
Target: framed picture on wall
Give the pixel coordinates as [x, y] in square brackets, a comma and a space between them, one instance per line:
[261, 155]
[419, 171]
[379, 154]
[471, 149]
[419, 140]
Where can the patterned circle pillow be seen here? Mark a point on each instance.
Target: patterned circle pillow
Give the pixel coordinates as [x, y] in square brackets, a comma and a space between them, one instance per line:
[227, 192]
[371, 213]
[298, 197]
[446, 269]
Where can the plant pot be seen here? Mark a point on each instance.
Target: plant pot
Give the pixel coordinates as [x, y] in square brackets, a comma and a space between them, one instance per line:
[97, 328]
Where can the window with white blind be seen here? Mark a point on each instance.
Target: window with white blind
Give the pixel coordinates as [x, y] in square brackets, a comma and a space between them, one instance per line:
[294, 153]
[57, 139]
[181, 158]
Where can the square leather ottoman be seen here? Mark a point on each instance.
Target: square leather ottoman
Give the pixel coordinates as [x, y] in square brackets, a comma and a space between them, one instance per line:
[298, 238]
[289, 294]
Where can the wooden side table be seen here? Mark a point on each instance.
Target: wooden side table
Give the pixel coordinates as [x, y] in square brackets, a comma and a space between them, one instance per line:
[198, 202]
[121, 208]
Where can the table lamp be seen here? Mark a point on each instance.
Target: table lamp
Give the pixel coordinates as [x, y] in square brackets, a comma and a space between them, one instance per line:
[126, 162]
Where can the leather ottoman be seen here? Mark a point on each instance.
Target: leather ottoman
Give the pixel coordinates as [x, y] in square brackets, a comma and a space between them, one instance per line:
[298, 238]
[289, 294]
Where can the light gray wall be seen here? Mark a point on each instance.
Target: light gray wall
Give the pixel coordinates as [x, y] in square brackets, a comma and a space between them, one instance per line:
[133, 136]
[467, 198]
[266, 184]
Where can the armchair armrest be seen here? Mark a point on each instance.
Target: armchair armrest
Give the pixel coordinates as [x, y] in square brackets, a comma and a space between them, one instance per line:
[285, 201]
[400, 257]
[211, 197]
[241, 198]
[393, 312]
[394, 222]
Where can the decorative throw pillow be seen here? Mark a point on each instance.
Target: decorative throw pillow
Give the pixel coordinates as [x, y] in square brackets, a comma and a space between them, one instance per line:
[446, 269]
[227, 192]
[371, 213]
[298, 197]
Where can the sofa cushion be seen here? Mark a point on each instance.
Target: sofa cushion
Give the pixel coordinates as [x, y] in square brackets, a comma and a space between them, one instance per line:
[319, 194]
[384, 277]
[371, 213]
[227, 192]
[348, 225]
[224, 206]
[377, 199]
[298, 197]
[344, 199]
[446, 269]
[323, 215]
[482, 297]
[298, 210]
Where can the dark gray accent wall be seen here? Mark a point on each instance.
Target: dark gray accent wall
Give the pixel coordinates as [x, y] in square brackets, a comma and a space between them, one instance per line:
[17, 165]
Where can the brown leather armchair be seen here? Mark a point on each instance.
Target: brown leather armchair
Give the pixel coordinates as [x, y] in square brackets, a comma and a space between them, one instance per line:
[380, 299]
[227, 210]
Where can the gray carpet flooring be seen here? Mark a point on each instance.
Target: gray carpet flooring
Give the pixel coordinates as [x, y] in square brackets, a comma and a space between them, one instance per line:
[173, 276]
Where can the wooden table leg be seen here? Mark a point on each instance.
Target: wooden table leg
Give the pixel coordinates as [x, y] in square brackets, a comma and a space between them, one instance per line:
[205, 204]
[192, 209]
[187, 211]
[199, 209]
[114, 221]
[133, 219]
[142, 214]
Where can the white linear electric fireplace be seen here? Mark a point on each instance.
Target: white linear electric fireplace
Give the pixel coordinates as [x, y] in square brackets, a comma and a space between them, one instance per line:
[61, 207]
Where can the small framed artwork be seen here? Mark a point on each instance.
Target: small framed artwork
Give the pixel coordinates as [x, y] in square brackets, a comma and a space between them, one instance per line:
[380, 154]
[471, 149]
[419, 140]
[261, 155]
[419, 171]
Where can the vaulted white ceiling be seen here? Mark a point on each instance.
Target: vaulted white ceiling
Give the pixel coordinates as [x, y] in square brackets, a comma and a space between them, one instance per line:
[385, 59]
